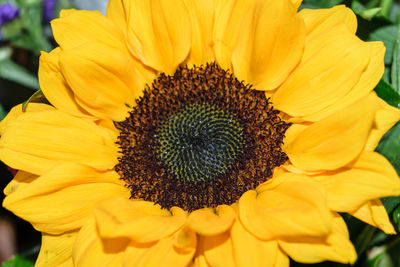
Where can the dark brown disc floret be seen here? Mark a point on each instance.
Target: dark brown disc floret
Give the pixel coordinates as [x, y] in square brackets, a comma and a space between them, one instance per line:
[199, 138]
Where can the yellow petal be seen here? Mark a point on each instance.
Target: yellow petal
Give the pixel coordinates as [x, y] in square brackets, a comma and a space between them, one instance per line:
[56, 250]
[385, 118]
[334, 141]
[200, 261]
[70, 34]
[54, 86]
[251, 251]
[199, 258]
[335, 247]
[90, 250]
[163, 253]
[228, 28]
[318, 21]
[202, 13]
[372, 176]
[117, 12]
[105, 80]
[20, 180]
[374, 213]
[141, 221]
[217, 250]
[58, 201]
[297, 3]
[185, 238]
[37, 141]
[291, 133]
[108, 125]
[208, 221]
[82, 26]
[268, 49]
[366, 83]
[288, 206]
[134, 253]
[159, 33]
[282, 260]
[16, 111]
[319, 81]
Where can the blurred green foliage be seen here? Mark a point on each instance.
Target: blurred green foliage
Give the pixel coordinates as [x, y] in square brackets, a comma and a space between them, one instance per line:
[378, 20]
[17, 261]
[30, 32]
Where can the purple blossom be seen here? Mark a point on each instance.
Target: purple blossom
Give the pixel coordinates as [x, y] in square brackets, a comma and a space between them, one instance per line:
[48, 9]
[8, 12]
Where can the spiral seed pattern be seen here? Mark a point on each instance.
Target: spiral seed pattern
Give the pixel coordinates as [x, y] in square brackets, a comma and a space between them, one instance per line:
[200, 142]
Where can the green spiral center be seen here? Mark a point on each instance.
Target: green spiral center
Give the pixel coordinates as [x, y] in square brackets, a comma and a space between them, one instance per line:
[199, 142]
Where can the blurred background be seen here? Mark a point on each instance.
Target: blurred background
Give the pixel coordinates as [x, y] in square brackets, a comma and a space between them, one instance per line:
[25, 31]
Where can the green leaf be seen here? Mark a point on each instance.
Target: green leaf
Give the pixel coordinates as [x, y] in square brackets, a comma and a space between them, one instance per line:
[363, 240]
[387, 93]
[388, 35]
[17, 261]
[364, 12]
[379, 238]
[369, 14]
[382, 260]
[396, 218]
[320, 3]
[389, 146]
[3, 112]
[37, 97]
[13, 72]
[33, 44]
[11, 29]
[395, 72]
[371, 3]
[393, 248]
[386, 75]
[29, 35]
[386, 5]
[390, 203]
[357, 7]
[14, 2]
[393, 13]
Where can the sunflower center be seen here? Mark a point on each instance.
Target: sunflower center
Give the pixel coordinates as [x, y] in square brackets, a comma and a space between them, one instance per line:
[199, 142]
[199, 138]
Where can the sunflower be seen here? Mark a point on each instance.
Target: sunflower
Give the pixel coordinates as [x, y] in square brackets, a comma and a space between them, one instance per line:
[202, 133]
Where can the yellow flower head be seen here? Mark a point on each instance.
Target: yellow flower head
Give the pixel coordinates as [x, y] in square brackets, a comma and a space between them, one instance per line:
[201, 133]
